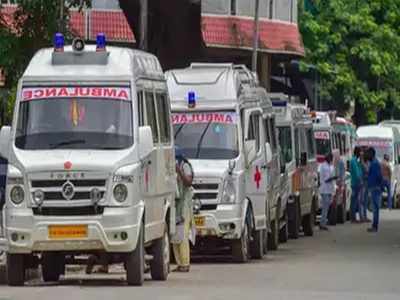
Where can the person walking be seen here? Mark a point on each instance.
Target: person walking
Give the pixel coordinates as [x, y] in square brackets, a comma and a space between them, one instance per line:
[326, 189]
[356, 185]
[375, 181]
[364, 194]
[184, 212]
[387, 179]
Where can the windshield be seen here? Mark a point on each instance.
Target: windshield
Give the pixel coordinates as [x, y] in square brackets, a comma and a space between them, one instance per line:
[381, 147]
[55, 118]
[210, 135]
[285, 140]
[323, 142]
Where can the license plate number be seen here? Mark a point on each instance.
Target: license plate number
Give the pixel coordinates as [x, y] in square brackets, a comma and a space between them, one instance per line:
[199, 221]
[59, 232]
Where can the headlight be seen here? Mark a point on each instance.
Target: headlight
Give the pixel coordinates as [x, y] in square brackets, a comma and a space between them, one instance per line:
[120, 192]
[17, 194]
[229, 191]
[38, 197]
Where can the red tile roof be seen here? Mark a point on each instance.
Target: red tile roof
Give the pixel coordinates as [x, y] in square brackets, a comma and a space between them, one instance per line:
[237, 32]
[218, 31]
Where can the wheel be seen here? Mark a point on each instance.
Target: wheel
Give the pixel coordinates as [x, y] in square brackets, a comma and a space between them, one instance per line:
[16, 269]
[265, 238]
[332, 214]
[52, 266]
[341, 213]
[273, 238]
[294, 219]
[308, 223]
[283, 232]
[135, 262]
[257, 245]
[241, 247]
[159, 266]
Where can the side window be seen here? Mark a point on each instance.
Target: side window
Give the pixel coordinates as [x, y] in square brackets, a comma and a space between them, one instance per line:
[297, 143]
[140, 108]
[151, 118]
[254, 131]
[267, 130]
[310, 140]
[274, 144]
[164, 118]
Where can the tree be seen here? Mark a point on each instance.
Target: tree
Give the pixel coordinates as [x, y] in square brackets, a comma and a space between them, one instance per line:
[354, 45]
[31, 27]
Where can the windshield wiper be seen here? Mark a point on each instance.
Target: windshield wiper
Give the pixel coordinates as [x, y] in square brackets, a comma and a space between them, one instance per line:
[67, 143]
[201, 139]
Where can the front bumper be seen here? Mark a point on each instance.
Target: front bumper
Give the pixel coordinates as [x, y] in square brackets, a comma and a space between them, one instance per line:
[103, 231]
[225, 222]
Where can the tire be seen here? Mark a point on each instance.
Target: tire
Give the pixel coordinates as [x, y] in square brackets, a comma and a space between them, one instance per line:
[52, 266]
[265, 239]
[16, 269]
[160, 265]
[341, 213]
[273, 238]
[241, 247]
[135, 262]
[309, 223]
[257, 245]
[294, 220]
[332, 214]
[284, 231]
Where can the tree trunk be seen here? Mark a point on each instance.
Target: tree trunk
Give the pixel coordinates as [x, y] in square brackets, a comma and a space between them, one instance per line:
[174, 30]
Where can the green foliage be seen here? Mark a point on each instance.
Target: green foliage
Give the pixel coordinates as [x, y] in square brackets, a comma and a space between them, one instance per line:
[32, 27]
[354, 45]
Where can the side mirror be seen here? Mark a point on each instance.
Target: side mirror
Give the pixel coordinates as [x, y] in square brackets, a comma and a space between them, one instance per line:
[268, 153]
[283, 168]
[5, 138]
[146, 144]
[303, 159]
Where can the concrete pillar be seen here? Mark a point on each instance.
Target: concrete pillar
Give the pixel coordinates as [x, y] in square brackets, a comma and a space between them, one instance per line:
[264, 70]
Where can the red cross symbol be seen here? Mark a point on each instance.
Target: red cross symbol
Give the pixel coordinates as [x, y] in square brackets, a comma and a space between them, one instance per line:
[257, 177]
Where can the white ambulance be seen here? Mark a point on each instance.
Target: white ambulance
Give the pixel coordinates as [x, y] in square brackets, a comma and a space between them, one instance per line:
[91, 163]
[219, 115]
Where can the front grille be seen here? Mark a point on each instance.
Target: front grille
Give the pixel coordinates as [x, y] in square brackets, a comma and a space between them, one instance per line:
[209, 207]
[205, 196]
[51, 196]
[205, 186]
[68, 211]
[60, 183]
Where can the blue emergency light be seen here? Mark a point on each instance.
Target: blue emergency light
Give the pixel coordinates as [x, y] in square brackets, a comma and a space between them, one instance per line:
[101, 42]
[59, 42]
[279, 103]
[191, 99]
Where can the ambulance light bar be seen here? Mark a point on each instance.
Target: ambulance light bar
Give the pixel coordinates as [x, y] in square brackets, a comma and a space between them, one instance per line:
[59, 42]
[191, 99]
[101, 42]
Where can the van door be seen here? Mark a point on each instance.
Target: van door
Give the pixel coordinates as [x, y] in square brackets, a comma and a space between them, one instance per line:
[257, 178]
[152, 167]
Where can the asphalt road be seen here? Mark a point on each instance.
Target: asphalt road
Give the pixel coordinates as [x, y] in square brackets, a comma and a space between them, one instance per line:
[345, 263]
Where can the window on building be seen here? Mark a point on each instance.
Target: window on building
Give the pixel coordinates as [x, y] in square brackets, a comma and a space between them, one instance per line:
[105, 4]
[151, 117]
[254, 131]
[164, 118]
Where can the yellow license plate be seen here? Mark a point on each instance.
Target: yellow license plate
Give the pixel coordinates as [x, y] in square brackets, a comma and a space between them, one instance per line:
[60, 232]
[199, 221]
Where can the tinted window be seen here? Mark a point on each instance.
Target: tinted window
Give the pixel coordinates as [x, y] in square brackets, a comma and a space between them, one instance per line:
[151, 117]
[285, 140]
[254, 130]
[164, 118]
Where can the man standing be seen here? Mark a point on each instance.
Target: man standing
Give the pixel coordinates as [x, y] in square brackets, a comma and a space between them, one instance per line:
[184, 212]
[356, 181]
[375, 181]
[326, 189]
[387, 179]
[364, 194]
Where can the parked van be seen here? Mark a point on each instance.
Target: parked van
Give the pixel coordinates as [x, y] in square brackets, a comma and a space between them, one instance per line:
[385, 140]
[223, 123]
[298, 152]
[91, 163]
[344, 137]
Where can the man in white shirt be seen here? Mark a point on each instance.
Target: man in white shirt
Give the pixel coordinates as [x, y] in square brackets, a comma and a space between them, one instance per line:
[326, 189]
